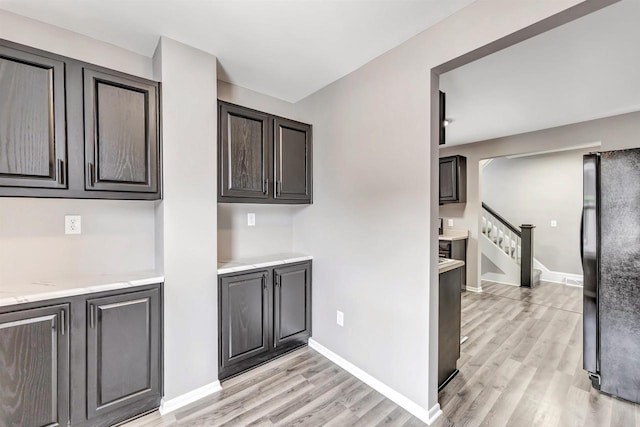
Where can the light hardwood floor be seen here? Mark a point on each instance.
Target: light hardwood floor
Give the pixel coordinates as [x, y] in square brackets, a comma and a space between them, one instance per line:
[520, 367]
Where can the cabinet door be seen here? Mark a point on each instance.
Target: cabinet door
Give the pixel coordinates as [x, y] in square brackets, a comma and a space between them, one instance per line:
[34, 367]
[243, 153]
[244, 319]
[33, 143]
[448, 179]
[293, 160]
[123, 351]
[292, 304]
[121, 133]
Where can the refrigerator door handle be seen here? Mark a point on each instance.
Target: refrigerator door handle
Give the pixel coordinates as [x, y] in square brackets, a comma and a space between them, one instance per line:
[582, 236]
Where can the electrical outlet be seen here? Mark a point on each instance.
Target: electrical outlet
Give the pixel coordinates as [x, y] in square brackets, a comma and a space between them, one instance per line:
[450, 222]
[72, 224]
[554, 223]
[251, 219]
[340, 318]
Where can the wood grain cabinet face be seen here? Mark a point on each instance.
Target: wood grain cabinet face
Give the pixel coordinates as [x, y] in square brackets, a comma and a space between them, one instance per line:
[453, 179]
[244, 152]
[293, 160]
[292, 304]
[34, 367]
[262, 314]
[121, 133]
[33, 144]
[244, 329]
[123, 350]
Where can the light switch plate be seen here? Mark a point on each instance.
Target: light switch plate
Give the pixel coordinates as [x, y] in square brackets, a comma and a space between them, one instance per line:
[554, 223]
[340, 318]
[450, 222]
[72, 224]
[251, 219]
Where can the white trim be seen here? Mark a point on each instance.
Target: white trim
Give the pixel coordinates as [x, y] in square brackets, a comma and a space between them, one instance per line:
[569, 279]
[171, 405]
[428, 416]
[498, 278]
[475, 289]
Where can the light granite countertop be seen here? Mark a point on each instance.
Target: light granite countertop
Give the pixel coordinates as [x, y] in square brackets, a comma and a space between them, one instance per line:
[244, 264]
[17, 292]
[451, 235]
[446, 264]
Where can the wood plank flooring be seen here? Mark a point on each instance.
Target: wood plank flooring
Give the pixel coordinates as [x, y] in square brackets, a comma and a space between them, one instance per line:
[300, 389]
[522, 366]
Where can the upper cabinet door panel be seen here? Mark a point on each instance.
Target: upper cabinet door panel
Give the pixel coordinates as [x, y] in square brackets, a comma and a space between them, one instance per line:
[244, 152]
[33, 145]
[293, 160]
[121, 133]
[448, 178]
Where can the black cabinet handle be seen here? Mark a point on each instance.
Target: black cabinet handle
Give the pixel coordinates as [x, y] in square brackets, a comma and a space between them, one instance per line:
[61, 172]
[92, 316]
[92, 174]
[265, 187]
[63, 322]
[278, 187]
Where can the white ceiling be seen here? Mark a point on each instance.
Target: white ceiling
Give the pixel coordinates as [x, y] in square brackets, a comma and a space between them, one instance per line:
[586, 69]
[283, 48]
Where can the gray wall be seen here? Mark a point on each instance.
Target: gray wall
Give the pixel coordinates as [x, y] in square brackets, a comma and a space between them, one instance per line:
[273, 232]
[538, 189]
[187, 216]
[33, 245]
[373, 226]
[612, 133]
[32, 240]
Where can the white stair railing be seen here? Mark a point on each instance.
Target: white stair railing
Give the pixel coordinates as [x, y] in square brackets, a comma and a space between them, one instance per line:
[502, 236]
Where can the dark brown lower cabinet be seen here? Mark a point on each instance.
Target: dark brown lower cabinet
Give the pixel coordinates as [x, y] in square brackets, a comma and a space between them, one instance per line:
[111, 341]
[34, 367]
[449, 322]
[123, 352]
[262, 314]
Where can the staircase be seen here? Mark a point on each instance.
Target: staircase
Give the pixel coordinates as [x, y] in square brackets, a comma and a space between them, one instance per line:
[509, 248]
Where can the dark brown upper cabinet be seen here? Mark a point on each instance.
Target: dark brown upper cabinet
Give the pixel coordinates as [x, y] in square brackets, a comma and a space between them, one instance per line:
[263, 158]
[244, 152]
[453, 179]
[33, 143]
[121, 133]
[293, 160]
[69, 129]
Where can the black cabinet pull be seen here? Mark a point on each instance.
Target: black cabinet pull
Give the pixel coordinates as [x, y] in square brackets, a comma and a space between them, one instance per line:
[92, 316]
[63, 322]
[61, 172]
[278, 187]
[92, 174]
[265, 187]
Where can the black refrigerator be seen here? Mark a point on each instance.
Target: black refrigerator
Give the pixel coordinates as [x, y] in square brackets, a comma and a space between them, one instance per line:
[610, 251]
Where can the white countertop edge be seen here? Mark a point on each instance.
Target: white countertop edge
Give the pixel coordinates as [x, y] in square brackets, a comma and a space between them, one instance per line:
[450, 265]
[236, 266]
[13, 297]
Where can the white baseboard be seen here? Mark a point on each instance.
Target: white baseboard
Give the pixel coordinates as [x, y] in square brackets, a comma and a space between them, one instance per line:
[171, 405]
[498, 278]
[475, 289]
[428, 416]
